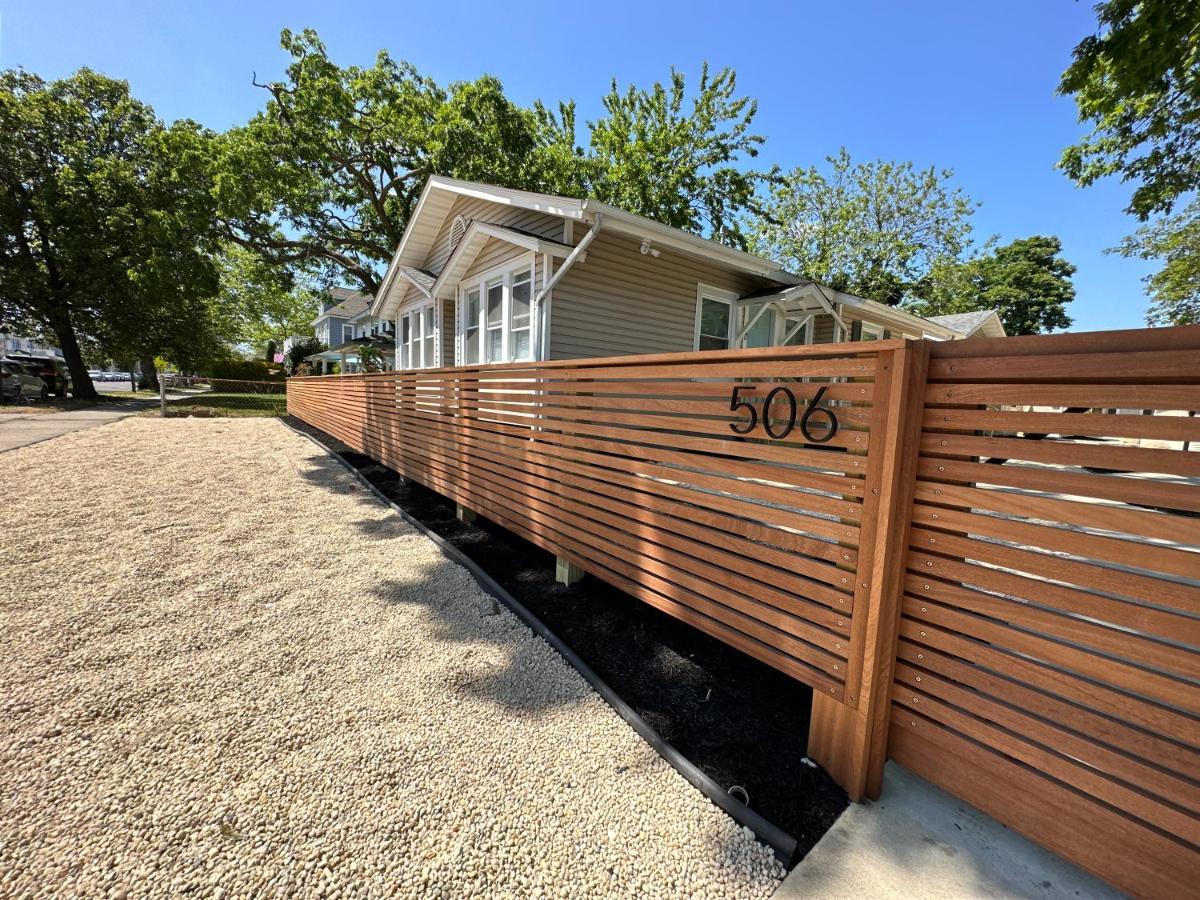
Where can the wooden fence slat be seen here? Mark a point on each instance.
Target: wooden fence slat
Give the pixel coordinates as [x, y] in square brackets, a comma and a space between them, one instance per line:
[986, 573]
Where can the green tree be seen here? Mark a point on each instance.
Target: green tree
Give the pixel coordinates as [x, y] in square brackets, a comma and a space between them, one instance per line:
[1137, 82]
[301, 349]
[1027, 282]
[258, 304]
[105, 220]
[329, 173]
[1174, 289]
[873, 229]
[679, 163]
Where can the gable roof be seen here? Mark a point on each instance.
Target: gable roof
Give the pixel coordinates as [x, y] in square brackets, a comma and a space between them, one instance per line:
[986, 322]
[811, 295]
[347, 304]
[440, 192]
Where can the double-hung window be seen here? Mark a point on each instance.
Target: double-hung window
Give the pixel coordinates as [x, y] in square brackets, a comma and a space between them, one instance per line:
[469, 313]
[347, 333]
[417, 338]
[495, 315]
[714, 318]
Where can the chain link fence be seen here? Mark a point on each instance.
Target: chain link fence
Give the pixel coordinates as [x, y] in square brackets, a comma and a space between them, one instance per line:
[183, 395]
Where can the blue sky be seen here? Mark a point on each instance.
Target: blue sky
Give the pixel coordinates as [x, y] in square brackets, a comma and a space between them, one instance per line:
[965, 85]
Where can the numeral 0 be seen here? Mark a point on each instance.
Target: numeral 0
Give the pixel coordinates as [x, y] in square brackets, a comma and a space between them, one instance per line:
[791, 420]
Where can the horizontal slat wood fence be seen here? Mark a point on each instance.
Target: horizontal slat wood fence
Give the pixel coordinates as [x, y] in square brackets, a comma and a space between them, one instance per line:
[1047, 662]
[631, 468]
[990, 572]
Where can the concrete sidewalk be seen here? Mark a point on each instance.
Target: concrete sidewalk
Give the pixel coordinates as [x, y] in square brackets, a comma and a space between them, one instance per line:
[23, 429]
[917, 841]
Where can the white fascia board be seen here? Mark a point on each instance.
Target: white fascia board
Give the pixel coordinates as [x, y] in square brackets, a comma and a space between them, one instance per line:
[377, 305]
[547, 203]
[528, 241]
[619, 220]
[472, 242]
[894, 316]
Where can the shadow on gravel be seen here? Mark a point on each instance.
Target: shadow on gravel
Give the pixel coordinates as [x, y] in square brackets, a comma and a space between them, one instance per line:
[511, 683]
[738, 720]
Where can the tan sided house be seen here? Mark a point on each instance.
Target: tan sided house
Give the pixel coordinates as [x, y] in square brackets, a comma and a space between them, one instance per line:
[486, 274]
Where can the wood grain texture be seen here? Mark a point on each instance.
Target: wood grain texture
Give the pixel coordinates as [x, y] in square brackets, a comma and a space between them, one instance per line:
[632, 470]
[1049, 665]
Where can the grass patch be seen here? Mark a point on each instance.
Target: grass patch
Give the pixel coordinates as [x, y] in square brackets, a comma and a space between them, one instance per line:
[218, 404]
[69, 404]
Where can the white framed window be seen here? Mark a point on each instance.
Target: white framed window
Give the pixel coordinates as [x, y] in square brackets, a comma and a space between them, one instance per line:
[416, 337]
[469, 312]
[714, 318]
[495, 315]
[870, 332]
[347, 333]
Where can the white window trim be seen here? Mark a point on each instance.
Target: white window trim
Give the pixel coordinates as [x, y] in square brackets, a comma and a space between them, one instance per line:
[708, 292]
[870, 327]
[346, 325]
[505, 271]
[416, 311]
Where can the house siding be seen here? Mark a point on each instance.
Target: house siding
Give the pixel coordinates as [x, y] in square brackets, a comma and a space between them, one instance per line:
[474, 210]
[329, 332]
[825, 329]
[494, 253]
[854, 315]
[619, 302]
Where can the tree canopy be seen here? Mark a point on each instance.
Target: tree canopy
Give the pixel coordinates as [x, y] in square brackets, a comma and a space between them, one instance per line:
[1027, 282]
[1174, 289]
[1137, 82]
[874, 229]
[330, 171]
[257, 304]
[655, 155]
[105, 222]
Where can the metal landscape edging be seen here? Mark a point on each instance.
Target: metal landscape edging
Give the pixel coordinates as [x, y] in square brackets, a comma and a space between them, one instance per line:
[781, 843]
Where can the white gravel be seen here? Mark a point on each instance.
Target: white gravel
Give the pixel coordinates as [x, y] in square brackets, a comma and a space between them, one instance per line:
[227, 669]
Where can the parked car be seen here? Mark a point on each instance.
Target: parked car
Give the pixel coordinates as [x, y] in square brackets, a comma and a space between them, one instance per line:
[18, 382]
[52, 371]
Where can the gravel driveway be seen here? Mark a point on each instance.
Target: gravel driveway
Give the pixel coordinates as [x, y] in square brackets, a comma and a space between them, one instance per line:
[227, 669]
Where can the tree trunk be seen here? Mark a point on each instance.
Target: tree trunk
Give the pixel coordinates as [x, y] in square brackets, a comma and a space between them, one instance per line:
[81, 382]
[149, 379]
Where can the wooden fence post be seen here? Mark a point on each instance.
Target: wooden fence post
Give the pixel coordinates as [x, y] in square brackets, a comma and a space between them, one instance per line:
[850, 739]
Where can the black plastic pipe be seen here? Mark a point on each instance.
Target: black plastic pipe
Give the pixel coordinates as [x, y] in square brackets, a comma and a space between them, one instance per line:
[774, 837]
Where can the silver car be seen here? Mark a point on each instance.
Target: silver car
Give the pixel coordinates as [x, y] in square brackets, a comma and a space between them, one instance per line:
[18, 383]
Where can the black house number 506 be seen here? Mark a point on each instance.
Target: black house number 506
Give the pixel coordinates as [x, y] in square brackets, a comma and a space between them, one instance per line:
[827, 424]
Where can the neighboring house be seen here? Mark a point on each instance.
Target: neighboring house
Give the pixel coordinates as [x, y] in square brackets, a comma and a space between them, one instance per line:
[345, 325]
[335, 324]
[486, 274]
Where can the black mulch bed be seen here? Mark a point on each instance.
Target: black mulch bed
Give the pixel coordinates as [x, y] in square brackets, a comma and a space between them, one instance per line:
[738, 720]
